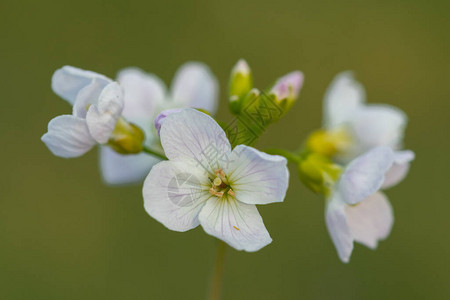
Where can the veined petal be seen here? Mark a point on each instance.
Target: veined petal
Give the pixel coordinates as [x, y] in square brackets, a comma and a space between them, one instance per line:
[102, 117]
[236, 223]
[370, 220]
[174, 193]
[87, 96]
[343, 97]
[194, 85]
[365, 174]
[399, 169]
[68, 136]
[68, 81]
[257, 177]
[143, 94]
[117, 169]
[336, 221]
[196, 137]
[378, 125]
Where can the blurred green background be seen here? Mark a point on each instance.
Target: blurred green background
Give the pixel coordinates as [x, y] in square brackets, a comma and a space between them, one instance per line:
[65, 235]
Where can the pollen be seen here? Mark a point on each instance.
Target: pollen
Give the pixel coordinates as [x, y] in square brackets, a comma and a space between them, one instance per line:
[236, 228]
[217, 181]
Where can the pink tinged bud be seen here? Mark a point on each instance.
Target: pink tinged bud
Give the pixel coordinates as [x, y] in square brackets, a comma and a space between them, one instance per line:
[160, 118]
[288, 86]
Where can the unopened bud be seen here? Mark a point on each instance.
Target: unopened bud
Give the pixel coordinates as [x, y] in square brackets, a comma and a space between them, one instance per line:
[126, 138]
[241, 83]
[288, 87]
[329, 143]
[318, 173]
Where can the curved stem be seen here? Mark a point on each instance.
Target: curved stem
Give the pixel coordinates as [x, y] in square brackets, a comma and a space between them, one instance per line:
[154, 153]
[217, 278]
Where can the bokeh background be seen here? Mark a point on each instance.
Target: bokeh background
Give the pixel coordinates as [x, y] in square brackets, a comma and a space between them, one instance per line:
[65, 235]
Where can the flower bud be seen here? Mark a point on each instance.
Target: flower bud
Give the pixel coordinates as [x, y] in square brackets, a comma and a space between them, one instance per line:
[287, 88]
[329, 143]
[241, 83]
[126, 138]
[318, 173]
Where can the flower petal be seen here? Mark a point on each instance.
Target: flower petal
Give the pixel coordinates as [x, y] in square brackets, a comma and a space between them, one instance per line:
[399, 169]
[102, 117]
[86, 97]
[117, 169]
[236, 223]
[194, 136]
[174, 193]
[370, 220]
[257, 177]
[143, 94]
[343, 97]
[378, 125]
[336, 221]
[194, 85]
[68, 81]
[365, 174]
[68, 136]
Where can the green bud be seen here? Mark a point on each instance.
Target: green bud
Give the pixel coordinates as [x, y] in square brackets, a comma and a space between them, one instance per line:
[126, 138]
[329, 142]
[241, 83]
[318, 173]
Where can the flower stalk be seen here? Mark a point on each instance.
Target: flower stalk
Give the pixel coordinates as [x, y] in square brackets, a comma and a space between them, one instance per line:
[217, 277]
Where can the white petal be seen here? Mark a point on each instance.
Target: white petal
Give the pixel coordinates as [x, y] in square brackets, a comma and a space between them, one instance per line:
[336, 221]
[370, 220]
[343, 97]
[68, 136]
[174, 193]
[194, 85]
[257, 177]
[238, 224]
[195, 136]
[125, 169]
[143, 94]
[365, 174]
[87, 96]
[68, 81]
[399, 169]
[378, 125]
[102, 117]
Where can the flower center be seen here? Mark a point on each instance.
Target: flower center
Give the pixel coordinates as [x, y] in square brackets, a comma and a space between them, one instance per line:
[220, 186]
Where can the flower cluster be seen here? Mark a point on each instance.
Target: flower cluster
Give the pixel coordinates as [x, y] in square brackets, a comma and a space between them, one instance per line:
[196, 174]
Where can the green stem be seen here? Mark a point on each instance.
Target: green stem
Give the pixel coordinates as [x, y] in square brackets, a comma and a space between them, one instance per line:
[217, 278]
[154, 153]
[290, 156]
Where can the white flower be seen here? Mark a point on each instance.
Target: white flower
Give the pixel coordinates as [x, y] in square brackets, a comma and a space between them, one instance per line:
[368, 125]
[361, 127]
[206, 183]
[145, 97]
[357, 210]
[97, 104]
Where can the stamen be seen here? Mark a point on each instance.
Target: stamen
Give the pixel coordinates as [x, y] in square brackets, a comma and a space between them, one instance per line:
[231, 193]
[221, 173]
